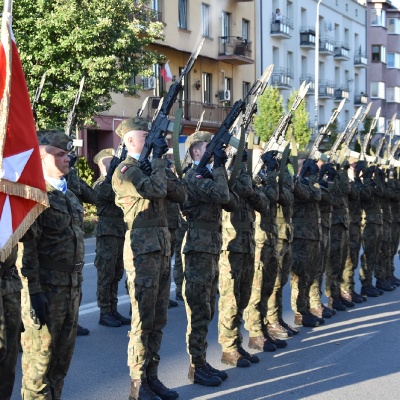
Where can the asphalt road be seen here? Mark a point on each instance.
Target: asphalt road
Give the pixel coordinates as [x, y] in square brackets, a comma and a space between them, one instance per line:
[355, 355]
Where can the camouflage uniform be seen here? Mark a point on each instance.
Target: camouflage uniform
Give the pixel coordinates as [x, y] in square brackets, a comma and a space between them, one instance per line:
[201, 251]
[147, 252]
[394, 184]
[10, 323]
[266, 261]
[237, 260]
[305, 246]
[178, 266]
[80, 188]
[372, 231]
[52, 254]
[110, 232]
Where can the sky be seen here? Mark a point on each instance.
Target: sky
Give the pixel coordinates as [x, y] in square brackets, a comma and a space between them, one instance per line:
[396, 3]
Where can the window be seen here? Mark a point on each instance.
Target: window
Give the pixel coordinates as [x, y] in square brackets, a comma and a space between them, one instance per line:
[228, 87]
[393, 60]
[378, 53]
[381, 125]
[378, 17]
[206, 84]
[245, 29]
[393, 94]
[226, 25]
[356, 12]
[205, 19]
[394, 26]
[182, 14]
[377, 90]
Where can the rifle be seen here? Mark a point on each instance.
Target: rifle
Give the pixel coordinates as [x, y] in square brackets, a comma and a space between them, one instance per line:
[389, 130]
[277, 139]
[37, 95]
[314, 153]
[161, 124]
[119, 156]
[71, 119]
[369, 135]
[392, 160]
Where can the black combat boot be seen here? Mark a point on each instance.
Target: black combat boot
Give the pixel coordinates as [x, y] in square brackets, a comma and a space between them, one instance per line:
[291, 329]
[217, 372]
[82, 331]
[336, 304]
[251, 357]
[121, 318]
[369, 291]
[140, 390]
[346, 299]
[235, 359]
[108, 319]
[160, 389]
[384, 285]
[203, 376]
[279, 343]
[259, 343]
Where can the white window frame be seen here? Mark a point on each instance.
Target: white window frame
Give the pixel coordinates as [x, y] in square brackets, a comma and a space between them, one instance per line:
[393, 26]
[377, 90]
[205, 20]
[206, 83]
[378, 17]
[393, 94]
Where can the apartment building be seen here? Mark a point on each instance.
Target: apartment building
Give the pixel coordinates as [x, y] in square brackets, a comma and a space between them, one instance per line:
[223, 72]
[383, 22]
[289, 42]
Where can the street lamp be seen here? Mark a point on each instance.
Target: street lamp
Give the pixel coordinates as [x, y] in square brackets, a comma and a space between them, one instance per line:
[316, 84]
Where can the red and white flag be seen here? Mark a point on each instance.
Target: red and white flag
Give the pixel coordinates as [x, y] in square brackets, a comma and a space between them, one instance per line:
[166, 72]
[22, 187]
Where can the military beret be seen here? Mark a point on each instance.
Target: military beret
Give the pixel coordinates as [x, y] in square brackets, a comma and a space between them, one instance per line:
[102, 154]
[198, 136]
[133, 124]
[55, 138]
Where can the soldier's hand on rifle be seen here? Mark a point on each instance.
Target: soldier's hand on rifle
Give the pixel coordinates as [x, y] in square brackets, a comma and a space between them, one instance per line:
[39, 308]
[205, 173]
[368, 173]
[391, 173]
[360, 167]
[332, 173]
[220, 157]
[145, 166]
[269, 159]
[244, 156]
[324, 170]
[313, 169]
[160, 147]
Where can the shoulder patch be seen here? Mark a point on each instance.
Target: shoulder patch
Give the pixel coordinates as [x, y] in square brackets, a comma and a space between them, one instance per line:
[124, 169]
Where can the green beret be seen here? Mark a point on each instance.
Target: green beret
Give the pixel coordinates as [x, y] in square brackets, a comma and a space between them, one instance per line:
[103, 154]
[198, 136]
[133, 124]
[55, 138]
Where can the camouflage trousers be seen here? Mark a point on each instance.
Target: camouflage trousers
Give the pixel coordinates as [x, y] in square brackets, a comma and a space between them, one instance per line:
[149, 284]
[47, 351]
[275, 310]
[177, 251]
[352, 258]
[266, 267]
[305, 267]
[371, 236]
[10, 328]
[395, 238]
[338, 255]
[200, 285]
[235, 281]
[384, 267]
[110, 269]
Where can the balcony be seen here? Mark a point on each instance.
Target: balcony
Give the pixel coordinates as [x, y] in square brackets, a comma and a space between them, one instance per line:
[281, 78]
[282, 28]
[307, 37]
[326, 46]
[360, 99]
[342, 52]
[235, 50]
[309, 80]
[148, 14]
[360, 60]
[213, 117]
[342, 92]
[326, 89]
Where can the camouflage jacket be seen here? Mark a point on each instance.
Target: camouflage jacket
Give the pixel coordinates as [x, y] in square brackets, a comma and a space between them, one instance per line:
[306, 213]
[12, 285]
[111, 218]
[394, 184]
[238, 226]
[55, 237]
[340, 212]
[372, 210]
[80, 188]
[266, 222]
[285, 207]
[203, 210]
[329, 196]
[173, 215]
[143, 200]
[360, 191]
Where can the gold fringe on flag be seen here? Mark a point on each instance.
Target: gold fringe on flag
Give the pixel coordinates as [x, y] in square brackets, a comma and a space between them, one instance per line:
[25, 191]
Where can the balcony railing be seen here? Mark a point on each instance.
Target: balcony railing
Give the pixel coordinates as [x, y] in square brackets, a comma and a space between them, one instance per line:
[235, 50]
[307, 37]
[281, 29]
[192, 111]
[309, 80]
[361, 60]
[342, 51]
[342, 92]
[326, 45]
[148, 14]
[360, 99]
[326, 89]
[281, 78]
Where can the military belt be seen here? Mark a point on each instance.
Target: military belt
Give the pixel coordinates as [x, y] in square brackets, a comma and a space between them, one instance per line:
[269, 220]
[326, 215]
[58, 266]
[305, 220]
[146, 223]
[339, 211]
[239, 224]
[282, 220]
[7, 273]
[209, 226]
[110, 219]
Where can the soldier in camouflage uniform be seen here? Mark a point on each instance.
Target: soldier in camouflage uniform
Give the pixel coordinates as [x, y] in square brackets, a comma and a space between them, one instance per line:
[206, 194]
[10, 323]
[51, 256]
[110, 233]
[178, 266]
[142, 190]
[237, 268]
[394, 184]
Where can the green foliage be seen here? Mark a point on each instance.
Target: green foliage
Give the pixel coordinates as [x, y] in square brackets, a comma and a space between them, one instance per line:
[270, 110]
[301, 130]
[105, 41]
[84, 171]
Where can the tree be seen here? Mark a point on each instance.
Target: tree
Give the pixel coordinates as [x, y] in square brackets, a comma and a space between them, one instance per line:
[270, 110]
[301, 130]
[105, 41]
